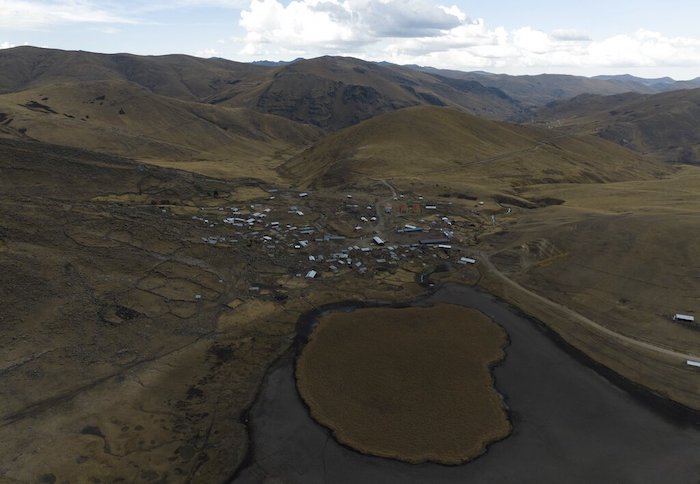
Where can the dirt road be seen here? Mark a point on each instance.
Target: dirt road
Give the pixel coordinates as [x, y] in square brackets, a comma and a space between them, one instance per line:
[487, 265]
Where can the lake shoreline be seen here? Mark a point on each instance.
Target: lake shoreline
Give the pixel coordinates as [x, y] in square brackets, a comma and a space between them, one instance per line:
[669, 410]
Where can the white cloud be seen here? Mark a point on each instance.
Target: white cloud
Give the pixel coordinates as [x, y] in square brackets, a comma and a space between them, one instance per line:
[7, 45]
[421, 32]
[334, 24]
[570, 35]
[26, 14]
[646, 48]
[207, 53]
[178, 4]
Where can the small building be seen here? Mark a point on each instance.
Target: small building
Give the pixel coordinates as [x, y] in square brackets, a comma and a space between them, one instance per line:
[433, 241]
[377, 240]
[696, 364]
[684, 318]
[311, 274]
[303, 195]
[467, 260]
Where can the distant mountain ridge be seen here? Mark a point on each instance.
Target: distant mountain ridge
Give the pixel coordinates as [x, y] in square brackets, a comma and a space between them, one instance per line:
[179, 108]
[539, 90]
[664, 125]
[327, 92]
[321, 91]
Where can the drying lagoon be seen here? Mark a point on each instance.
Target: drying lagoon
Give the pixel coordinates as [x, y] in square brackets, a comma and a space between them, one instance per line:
[570, 422]
[413, 384]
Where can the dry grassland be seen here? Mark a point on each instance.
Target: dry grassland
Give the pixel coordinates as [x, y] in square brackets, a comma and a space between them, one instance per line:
[411, 384]
[622, 254]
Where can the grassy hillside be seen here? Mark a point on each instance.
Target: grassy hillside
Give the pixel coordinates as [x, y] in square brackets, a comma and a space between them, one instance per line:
[126, 119]
[663, 125]
[180, 76]
[328, 92]
[539, 90]
[535, 91]
[335, 92]
[449, 145]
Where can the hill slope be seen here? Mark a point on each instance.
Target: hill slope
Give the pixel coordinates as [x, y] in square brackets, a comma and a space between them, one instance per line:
[335, 92]
[180, 76]
[440, 144]
[539, 90]
[126, 119]
[663, 125]
[328, 92]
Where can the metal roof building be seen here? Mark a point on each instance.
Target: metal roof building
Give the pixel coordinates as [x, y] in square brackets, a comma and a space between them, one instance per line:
[683, 317]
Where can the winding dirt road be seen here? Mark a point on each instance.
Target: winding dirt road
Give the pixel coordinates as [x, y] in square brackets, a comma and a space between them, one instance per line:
[487, 266]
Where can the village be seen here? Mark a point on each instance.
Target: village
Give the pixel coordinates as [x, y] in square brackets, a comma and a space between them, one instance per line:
[287, 235]
[328, 236]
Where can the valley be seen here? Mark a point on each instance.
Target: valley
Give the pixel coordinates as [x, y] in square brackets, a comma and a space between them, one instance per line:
[167, 223]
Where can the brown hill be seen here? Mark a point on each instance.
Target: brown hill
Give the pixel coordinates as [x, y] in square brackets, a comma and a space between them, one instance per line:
[663, 125]
[443, 144]
[539, 90]
[126, 119]
[335, 92]
[328, 92]
[180, 76]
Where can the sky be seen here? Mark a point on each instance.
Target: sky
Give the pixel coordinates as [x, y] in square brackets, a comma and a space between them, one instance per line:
[592, 37]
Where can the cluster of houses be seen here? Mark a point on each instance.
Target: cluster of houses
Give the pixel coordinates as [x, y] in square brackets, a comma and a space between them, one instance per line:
[293, 233]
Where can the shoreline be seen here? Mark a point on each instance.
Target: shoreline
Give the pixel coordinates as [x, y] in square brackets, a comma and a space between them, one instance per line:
[665, 408]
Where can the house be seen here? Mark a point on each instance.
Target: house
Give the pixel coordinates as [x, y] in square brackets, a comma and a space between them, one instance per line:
[684, 318]
[693, 363]
[311, 274]
[377, 240]
[433, 241]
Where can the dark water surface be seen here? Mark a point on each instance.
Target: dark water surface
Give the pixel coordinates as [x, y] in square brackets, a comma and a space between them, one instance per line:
[571, 425]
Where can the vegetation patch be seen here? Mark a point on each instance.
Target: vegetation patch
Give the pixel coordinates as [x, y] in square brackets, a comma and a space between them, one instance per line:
[411, 384]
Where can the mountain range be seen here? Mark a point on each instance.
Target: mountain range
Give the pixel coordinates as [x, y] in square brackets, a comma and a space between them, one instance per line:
[220, 116]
